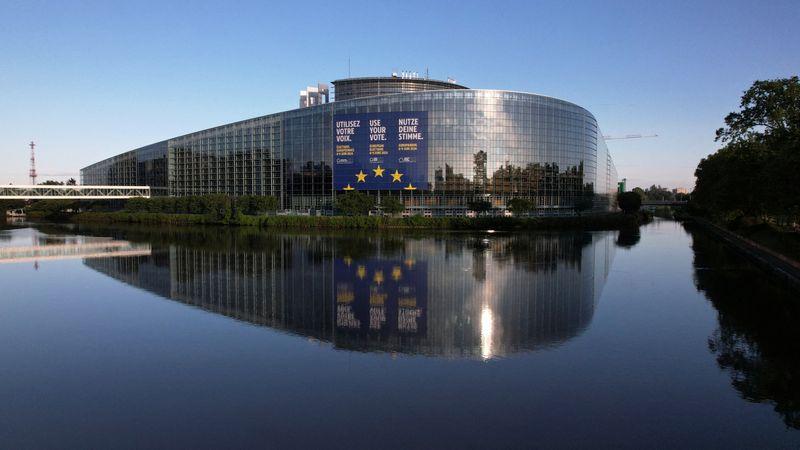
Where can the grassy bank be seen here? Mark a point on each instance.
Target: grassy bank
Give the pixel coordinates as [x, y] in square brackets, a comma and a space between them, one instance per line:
[586, 222]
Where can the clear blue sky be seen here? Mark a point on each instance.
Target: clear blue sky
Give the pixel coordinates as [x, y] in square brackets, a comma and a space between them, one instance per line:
[87, 80]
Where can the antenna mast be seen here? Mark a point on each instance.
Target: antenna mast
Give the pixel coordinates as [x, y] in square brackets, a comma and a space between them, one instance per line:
[32, 173]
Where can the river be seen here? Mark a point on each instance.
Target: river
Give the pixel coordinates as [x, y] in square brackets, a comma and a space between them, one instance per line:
[134, 337]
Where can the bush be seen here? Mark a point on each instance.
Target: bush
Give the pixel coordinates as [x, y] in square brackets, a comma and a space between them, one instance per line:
[392, 205]
[479, 206]
[629, 202]
[355, 203]
[519, 205]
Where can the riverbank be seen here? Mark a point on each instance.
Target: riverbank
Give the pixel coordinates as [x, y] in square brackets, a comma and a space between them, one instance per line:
[611, 221]
[781, 260]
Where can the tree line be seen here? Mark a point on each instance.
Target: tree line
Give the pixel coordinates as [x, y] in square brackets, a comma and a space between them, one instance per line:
[755, 173]
[219, 207]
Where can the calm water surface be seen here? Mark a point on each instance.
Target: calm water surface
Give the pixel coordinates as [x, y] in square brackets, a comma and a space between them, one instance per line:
[194, 338]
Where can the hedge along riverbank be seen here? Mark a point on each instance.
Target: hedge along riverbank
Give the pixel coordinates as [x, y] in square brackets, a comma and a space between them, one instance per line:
[586, 222]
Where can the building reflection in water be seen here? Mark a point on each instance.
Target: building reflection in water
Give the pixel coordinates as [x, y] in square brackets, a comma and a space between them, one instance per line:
[26, 246]
[476, 296]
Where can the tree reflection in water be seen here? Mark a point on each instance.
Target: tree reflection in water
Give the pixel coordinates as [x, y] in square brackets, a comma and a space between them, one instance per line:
[758, 339]
[628, 237]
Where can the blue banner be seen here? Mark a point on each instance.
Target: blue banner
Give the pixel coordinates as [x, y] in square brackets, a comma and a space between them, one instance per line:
[380, 151]
[381, 297]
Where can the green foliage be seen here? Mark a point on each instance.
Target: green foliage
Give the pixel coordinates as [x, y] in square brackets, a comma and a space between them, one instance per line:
[768, 108]
[11, 204]
[218, 207]
[255, 204]
[479, 206]
[629, 202]
[354, 203]
[756, 171]
[593, 222]
[51, 183]
[392, 205]
[71, 182]
[640, 192]
[519, 205]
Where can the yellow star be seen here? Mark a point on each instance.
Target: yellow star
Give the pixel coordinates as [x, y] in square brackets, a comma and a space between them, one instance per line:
[362, 177]
[396, 273]
[361, 272]
[349, 188]
[409, 263]
[396, 176]
[409, 188]
[378, 278]
[378, 171]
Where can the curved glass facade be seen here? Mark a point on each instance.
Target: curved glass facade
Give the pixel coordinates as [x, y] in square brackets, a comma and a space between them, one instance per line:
[352, 88]
[481, 145]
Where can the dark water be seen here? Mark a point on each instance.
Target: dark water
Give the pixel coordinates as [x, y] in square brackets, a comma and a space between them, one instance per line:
[136, 337]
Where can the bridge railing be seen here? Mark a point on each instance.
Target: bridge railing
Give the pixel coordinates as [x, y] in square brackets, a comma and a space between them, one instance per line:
[58, 192]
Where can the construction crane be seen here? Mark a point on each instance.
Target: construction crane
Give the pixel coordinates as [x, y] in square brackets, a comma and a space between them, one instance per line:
[629, 136]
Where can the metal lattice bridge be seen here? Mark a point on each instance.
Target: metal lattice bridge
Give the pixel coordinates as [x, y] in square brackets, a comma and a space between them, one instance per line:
[57, 192]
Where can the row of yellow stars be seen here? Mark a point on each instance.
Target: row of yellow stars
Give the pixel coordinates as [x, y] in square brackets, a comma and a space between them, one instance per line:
[361, 177]
[396, 176]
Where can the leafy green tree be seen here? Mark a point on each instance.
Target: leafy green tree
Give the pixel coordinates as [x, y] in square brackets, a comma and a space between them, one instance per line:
[244, 204]
[755, 172]
[219, 207]
[355, 203]
[260, 204]
[768, 108]
[629, 202]
[392, 205]
[72, 182]
[519, 205]
[136, 204]
[51, 183]
[479, 206]
[640, 192]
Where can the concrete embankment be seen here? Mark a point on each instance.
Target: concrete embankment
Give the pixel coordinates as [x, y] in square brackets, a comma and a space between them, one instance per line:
[782, 266]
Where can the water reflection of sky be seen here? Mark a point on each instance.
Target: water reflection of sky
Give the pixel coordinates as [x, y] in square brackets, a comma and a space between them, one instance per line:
[624, 349]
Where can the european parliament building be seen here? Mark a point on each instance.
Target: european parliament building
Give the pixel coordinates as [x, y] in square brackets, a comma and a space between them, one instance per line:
[434, 145]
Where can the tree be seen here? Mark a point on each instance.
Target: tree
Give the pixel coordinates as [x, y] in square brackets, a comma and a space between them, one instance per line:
[519, 206]
[658, 193]
[219, 207]
[640, 192]
[137, 204]
[479, 206]
[755, 172]
[629, 202]
[392, 205]
[260, 204]
[72, 182]
[768, 108]
[51, 183]
[355, 203]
